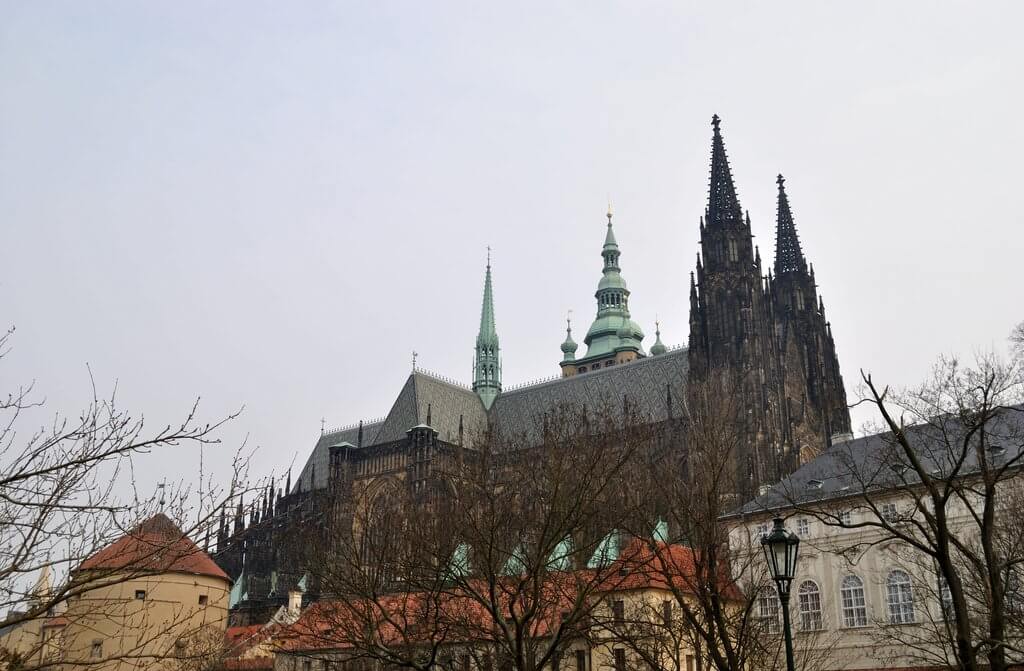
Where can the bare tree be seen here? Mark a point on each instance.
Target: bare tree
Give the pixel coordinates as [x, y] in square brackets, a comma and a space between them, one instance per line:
[67, 489]
[718, 586]
[502, 558]
[940, 488]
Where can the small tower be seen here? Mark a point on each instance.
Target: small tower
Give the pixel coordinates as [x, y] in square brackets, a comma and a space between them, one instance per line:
[658, 347]
[613, 338]
[487, 359]
[569, 348]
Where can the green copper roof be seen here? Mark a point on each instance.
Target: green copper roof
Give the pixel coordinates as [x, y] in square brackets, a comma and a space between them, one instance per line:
[612, 330]
[658, 347]
[569, 347]
[487, 359]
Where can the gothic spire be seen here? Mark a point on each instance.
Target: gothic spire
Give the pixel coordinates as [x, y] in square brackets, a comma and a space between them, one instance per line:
[487, 363]
[723, 204]
[788, 255]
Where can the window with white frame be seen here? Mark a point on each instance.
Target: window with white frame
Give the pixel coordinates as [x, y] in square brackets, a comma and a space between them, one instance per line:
[803, 527]
[900, 595]
[762, 530]
[851, 596]
[809, 600]
[768, 609]
[945, 598]
[889, 512]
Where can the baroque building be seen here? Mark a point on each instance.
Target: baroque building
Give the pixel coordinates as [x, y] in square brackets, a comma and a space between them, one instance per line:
[766, 332]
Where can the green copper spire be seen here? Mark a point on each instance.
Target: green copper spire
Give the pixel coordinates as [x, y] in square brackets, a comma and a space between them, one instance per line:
[612, 330]
[487, 362]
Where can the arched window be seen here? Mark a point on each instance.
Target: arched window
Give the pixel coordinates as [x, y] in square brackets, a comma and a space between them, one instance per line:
[768, 609]
[855, 609]
[733, 252]
[900, 595]
[809, 598]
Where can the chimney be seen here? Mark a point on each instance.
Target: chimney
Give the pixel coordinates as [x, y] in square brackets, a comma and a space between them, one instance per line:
[294, 602]
[838, 438]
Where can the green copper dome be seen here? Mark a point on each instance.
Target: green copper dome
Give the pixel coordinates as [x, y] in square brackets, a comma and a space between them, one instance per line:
[658, 347]
[569, 347]
[612, 331]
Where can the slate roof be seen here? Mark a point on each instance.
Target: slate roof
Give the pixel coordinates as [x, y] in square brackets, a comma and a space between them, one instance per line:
[874, 462]
[645, 382]
[319, 461]
[516, 413]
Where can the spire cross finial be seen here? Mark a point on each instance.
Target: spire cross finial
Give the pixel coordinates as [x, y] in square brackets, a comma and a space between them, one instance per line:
[609, 213]
[780, 180]
[715, 121]
[568, 321]
[414, 355]
[488, 256]
[323, 423]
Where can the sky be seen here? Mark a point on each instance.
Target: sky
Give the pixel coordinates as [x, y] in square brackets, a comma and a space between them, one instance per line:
[270, 206]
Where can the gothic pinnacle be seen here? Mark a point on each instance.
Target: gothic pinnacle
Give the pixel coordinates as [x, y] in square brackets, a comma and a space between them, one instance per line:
[723, 204]
[788, 255]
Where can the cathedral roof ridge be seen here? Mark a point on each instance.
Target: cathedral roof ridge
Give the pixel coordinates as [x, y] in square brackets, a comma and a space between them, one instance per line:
[556, 379]
[437, 377]
[367, 423]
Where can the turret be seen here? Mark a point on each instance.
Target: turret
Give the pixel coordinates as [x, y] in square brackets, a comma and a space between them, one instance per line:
[569, 348]
[613, 338]
[487, 359]
[658, 347]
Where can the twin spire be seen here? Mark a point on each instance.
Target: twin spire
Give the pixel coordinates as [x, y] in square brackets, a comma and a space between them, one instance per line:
[724, 209]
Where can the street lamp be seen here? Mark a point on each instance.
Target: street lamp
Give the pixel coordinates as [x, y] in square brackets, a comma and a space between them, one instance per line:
[780, 550]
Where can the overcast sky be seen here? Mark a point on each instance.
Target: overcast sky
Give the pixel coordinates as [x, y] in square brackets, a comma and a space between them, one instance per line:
[273, 204]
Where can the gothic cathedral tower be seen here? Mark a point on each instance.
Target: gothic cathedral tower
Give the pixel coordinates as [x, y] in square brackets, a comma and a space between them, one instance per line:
[765, 339]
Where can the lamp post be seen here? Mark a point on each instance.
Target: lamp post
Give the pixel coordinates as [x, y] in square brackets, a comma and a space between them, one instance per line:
[780, 550]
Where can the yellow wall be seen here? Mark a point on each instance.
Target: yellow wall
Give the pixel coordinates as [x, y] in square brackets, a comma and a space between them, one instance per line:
[135, 633]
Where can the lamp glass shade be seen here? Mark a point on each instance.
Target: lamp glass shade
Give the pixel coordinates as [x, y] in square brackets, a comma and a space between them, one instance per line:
[780, 551]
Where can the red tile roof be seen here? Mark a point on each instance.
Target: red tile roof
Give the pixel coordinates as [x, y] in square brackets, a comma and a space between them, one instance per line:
[642, 565]
[155, 546]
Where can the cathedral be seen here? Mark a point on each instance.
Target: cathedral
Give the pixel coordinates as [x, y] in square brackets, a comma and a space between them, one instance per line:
[766, 330]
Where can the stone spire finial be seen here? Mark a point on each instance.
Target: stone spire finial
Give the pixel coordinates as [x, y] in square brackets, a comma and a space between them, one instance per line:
[788, 255]
[723, 204]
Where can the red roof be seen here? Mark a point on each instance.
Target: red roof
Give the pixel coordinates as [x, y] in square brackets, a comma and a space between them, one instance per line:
[155, 546]
[407, 616]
